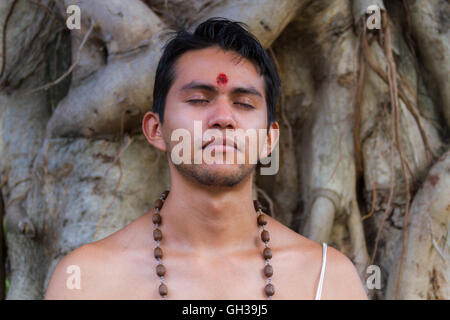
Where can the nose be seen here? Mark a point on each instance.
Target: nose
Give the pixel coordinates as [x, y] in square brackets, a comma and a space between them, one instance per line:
[222, 116]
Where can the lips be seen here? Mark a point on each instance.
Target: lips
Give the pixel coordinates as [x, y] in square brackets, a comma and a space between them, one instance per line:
[223, 142]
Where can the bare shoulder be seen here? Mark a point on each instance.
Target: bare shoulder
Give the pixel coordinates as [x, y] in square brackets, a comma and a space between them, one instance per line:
[95, 266]
[78, 274]
[341, 279]
[100, 266]
[65, 282]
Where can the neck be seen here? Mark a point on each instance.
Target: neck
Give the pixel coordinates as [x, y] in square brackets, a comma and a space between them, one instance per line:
[209, 220]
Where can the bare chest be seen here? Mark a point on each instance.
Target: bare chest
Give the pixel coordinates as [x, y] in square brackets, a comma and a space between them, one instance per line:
[224, 279]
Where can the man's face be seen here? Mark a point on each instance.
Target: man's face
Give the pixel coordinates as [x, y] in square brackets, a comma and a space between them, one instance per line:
[214, 90]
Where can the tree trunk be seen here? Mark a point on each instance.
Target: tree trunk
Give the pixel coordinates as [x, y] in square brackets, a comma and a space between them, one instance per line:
[364, 117]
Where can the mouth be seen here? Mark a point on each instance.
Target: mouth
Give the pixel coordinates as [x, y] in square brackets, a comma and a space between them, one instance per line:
[224, 145]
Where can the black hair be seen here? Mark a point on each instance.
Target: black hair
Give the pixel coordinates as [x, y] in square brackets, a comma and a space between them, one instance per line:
[228, 35]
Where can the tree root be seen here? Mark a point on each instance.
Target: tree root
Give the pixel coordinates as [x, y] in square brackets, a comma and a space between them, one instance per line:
[392, 74]
[114, 194]
[287, 177]
[22, 49]
[131, 33]
[427, 229]
[431, 35]
[5, 28]
[374, 199]
[360, 256]
[2, 251]
[17, 220]
[357, 104]
[371, 61]
[266, 19]
[94, 107]
[321, 219]
[69, 71]
[332, 154]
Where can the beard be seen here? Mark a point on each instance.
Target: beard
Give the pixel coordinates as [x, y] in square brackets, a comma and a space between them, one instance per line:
[218, 175]
[204, 175]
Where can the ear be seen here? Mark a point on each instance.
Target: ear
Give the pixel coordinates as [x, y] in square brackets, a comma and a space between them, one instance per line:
[152, 129]
[273, 136]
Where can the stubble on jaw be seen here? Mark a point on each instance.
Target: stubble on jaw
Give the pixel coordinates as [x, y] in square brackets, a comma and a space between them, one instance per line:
[202, 175]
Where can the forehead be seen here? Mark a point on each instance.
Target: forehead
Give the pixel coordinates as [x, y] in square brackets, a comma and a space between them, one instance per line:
[207, 64]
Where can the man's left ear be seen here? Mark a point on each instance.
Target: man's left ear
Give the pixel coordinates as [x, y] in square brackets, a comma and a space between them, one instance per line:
[270, 140]
[273, 136]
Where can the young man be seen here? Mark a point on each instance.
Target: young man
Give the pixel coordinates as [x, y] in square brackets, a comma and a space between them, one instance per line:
[221, 77]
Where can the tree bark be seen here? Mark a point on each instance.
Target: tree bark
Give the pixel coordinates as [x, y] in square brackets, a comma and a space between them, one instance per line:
[364, 117]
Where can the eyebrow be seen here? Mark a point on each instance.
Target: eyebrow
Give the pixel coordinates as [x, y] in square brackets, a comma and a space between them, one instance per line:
[207, 87]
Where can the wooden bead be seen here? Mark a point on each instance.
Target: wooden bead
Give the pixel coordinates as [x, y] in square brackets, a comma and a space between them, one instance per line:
[161, 270]
[157, 234]
[269, 289]
[265, 236]
[163, 290]
[267, 253]
[268, 270]
[262, 220]
[165, 194]
[158, 252]
[159, 203]
[156, 218]
[257, 205]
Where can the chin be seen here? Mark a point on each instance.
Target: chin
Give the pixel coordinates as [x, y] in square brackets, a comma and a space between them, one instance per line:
[223, 169]
[220, 175]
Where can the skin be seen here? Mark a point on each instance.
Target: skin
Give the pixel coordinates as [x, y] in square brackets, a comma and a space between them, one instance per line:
[211, 242]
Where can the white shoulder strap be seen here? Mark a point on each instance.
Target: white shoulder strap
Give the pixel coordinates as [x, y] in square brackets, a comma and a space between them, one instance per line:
[322, 271]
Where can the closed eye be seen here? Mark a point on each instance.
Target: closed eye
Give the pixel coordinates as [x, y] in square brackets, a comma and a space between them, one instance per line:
[245, 105]
[197, 101]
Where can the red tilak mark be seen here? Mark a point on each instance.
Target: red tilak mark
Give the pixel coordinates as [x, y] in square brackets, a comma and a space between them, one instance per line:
[222, 79]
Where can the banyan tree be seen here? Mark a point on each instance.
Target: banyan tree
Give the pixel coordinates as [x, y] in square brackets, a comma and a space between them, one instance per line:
[364, 116]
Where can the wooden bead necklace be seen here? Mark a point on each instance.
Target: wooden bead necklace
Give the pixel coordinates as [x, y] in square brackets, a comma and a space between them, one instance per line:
[157, 236]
